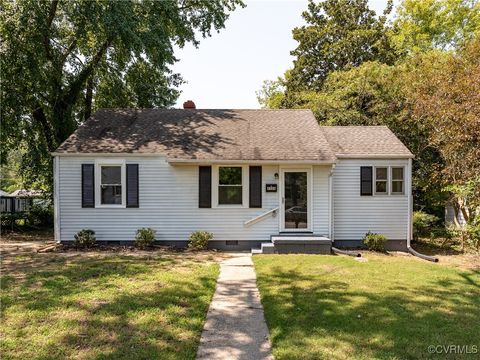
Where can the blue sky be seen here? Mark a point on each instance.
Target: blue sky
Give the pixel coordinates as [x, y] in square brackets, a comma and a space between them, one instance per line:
[226, 69]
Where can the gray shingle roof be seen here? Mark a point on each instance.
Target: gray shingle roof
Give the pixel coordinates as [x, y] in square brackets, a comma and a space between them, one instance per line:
[364, 141]
[203, 134]
[210, 135]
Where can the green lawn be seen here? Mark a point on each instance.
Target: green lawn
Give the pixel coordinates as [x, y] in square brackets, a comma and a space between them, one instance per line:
[96, 306]
[391, 307]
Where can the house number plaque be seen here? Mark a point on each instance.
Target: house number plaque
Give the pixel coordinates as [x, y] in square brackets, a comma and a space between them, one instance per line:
[271, 187]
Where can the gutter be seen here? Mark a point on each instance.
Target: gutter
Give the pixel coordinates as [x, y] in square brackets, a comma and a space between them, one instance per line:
[374, 156]
[409, 222]
[174, 161]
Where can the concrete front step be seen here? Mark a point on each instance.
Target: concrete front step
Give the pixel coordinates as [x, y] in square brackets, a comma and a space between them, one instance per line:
[268, 248]
[303, 239]
[302, 244]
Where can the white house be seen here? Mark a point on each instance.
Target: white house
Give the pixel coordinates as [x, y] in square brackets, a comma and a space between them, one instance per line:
[247, 176]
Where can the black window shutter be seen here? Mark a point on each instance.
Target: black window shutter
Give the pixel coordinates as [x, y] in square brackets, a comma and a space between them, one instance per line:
[205, 186]
[132, 186]
[88, 185]
[255, 198]
[366, 180]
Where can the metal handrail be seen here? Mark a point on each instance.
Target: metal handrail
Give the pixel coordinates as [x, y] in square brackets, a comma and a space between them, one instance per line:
[261, 216]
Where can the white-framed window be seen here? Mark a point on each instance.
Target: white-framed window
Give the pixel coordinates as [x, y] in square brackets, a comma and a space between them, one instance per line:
[398, 180]
[230, 186]
[381, 180]
[110, 189]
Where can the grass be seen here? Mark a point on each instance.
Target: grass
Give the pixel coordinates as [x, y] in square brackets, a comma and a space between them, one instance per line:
[391, 307]
[91, 306]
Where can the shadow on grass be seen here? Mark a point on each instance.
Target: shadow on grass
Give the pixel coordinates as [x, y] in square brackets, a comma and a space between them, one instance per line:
[327, 317]
[112, 307]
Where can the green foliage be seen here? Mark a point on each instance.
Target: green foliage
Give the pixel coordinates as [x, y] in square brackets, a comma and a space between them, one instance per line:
[10, 179]
[145, 237]
[423, 223]
[85, 238]
[435, 24]
[375, 242]
[9, 220]
[425, 90]
[272, 94]
[473, 233]
[61, 60]
[339, 34]
[40, 215]
[198, 240]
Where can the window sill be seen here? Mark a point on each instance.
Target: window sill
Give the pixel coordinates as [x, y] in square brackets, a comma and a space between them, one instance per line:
[220, 206]
[112, 206]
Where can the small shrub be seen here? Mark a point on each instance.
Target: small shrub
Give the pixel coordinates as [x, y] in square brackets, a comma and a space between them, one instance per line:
[41, 215]
[423, 223]
[375, 242]
[145, 237]
[198, 240]
[85, 238]
[473, 233]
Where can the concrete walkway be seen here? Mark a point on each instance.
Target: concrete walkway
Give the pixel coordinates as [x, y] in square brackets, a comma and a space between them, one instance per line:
[235, 326]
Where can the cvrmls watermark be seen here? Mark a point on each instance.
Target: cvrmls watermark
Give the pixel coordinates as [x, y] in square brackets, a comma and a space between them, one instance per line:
[453, 349]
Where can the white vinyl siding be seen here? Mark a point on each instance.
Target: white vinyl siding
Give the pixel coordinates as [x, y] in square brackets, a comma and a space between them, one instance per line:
[354, 215]
[168, 197]
[320, 199]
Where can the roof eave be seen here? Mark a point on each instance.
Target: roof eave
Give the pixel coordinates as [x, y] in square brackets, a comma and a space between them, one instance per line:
[375, 156]
[174, 161]
[124, 154]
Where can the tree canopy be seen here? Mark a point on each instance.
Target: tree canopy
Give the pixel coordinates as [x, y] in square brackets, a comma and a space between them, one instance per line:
[339, 34]
[425, 25]
[61, 59]
[427, 94]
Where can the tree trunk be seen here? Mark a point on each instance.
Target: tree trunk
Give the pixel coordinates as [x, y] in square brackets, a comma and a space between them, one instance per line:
[39, 115]
[88, 99]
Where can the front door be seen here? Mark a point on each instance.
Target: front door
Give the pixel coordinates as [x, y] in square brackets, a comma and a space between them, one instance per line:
[295, 200]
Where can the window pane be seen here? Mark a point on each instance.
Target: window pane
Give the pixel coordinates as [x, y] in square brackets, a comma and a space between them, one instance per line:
[397, 187]
[228, 195]
[381, 173]
[230, 176]
[381, 187]
[112, 175]
[397, 173]
[111, 194]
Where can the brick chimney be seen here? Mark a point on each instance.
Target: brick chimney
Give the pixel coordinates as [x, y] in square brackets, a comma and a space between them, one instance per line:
[189, 104]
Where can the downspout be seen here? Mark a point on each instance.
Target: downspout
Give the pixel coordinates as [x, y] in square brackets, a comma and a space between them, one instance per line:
[409, 219]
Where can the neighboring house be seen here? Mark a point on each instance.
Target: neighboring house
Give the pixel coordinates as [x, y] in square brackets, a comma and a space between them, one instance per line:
[244, 175]
[18, 201]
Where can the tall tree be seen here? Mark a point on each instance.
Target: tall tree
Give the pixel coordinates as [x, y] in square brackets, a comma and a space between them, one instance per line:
[425, 25]
[339, 34]
[59, 58]
[447, 102]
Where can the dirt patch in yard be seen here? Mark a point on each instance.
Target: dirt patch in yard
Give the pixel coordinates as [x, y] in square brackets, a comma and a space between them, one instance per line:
[21, 251]
[40, 236]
